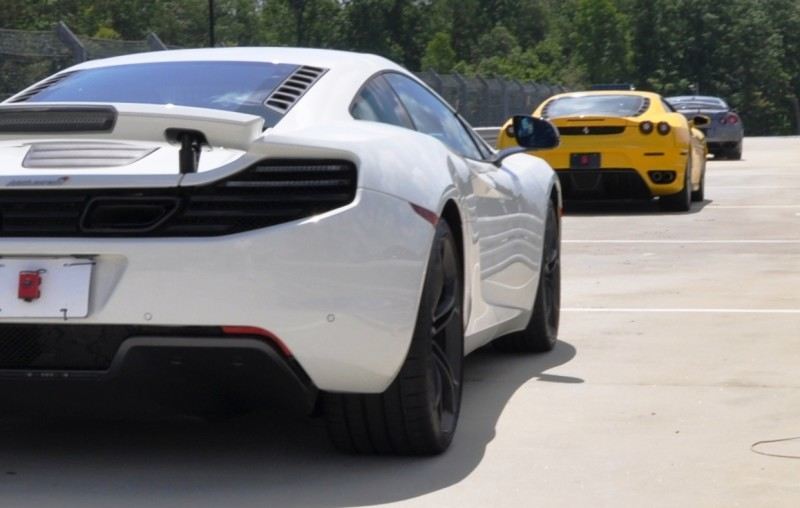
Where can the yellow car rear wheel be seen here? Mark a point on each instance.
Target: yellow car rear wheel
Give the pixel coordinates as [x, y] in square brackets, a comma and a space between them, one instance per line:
[680, 201]
[700, 194]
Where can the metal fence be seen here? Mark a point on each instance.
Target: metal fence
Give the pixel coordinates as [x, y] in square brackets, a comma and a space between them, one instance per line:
[489, 101]
[28, 56]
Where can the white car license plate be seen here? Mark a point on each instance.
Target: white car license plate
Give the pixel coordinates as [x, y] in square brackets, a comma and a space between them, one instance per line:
[45, 287]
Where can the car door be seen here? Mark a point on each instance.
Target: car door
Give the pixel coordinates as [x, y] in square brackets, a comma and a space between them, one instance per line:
[495, 201]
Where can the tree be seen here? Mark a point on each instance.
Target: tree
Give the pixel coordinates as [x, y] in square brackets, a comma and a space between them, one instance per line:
[744, 50]
[602, 44]
[439, 54]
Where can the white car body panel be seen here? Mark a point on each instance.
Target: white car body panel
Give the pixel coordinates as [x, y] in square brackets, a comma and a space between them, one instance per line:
[309, 275]
[341, 289]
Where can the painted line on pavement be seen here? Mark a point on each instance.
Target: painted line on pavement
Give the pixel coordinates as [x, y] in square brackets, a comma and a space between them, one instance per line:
[679, 242]
[678, 310]
[754, 206]
[750, 187]
[755, 174]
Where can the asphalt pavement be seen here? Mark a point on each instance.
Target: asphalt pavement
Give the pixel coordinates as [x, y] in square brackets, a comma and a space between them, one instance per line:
[679, 353]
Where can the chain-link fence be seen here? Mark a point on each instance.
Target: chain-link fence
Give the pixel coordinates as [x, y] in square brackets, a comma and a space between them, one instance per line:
[489, 101]
[28, 56]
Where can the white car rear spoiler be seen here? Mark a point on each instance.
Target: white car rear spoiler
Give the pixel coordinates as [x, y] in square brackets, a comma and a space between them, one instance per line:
[124, 121]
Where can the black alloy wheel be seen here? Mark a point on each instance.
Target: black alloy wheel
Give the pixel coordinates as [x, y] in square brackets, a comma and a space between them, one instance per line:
[447, 338]
[418, 413]
[541, 333]
[551, 275]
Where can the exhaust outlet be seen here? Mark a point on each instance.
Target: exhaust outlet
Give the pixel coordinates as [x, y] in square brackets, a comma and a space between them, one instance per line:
[661, 176]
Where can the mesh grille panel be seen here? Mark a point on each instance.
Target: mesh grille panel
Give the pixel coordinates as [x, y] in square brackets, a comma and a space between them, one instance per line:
[268, 193]
[76, 347]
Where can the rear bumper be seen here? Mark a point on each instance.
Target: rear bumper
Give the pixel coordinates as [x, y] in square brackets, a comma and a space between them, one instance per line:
[246, 369]
[728, 135]
[616, 183]
[175, 370]
[624, 172]
[714, 146]
[340, 290]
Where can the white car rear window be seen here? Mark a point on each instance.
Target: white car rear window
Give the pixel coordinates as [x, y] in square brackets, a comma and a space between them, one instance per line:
[231, 86]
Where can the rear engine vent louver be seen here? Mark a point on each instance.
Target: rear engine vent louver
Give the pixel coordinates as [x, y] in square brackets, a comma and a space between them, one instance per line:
[38, 88]
[645, 106]
[268, 193]
[84, 154]
[290, 91]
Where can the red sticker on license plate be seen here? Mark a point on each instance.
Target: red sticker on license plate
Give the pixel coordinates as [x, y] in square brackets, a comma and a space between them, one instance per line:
[584, 160]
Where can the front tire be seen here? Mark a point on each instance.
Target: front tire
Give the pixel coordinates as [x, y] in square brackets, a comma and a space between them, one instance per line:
[418, 413]
[541, 333]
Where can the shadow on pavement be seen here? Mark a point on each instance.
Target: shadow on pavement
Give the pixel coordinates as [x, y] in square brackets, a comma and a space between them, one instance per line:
[268, 459]
[625, 207]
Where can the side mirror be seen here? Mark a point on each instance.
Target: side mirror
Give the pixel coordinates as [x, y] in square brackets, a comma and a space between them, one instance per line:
[530, 133]
[534, 133]
[700, 121]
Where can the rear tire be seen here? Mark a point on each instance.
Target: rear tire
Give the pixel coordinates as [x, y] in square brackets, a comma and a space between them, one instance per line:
[541, 333]
[735, 153]
[700, 194]
[680, 201]
[418, 413]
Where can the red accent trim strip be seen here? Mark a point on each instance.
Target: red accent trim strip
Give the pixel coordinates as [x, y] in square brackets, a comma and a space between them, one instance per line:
[425, 213]
[252, 330]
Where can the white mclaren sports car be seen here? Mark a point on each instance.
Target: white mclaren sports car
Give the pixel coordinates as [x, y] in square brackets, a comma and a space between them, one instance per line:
[315, 226]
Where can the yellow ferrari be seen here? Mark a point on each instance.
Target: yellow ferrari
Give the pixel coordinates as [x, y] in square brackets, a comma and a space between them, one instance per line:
[623, 145]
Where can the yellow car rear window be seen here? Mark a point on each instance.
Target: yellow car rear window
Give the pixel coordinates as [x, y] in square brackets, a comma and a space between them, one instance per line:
[602, 105]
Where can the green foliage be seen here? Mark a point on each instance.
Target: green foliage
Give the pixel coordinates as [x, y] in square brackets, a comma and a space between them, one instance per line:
[105, 32]
[439, 53]
[743, 50]
[601, 41]
[739, 52]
